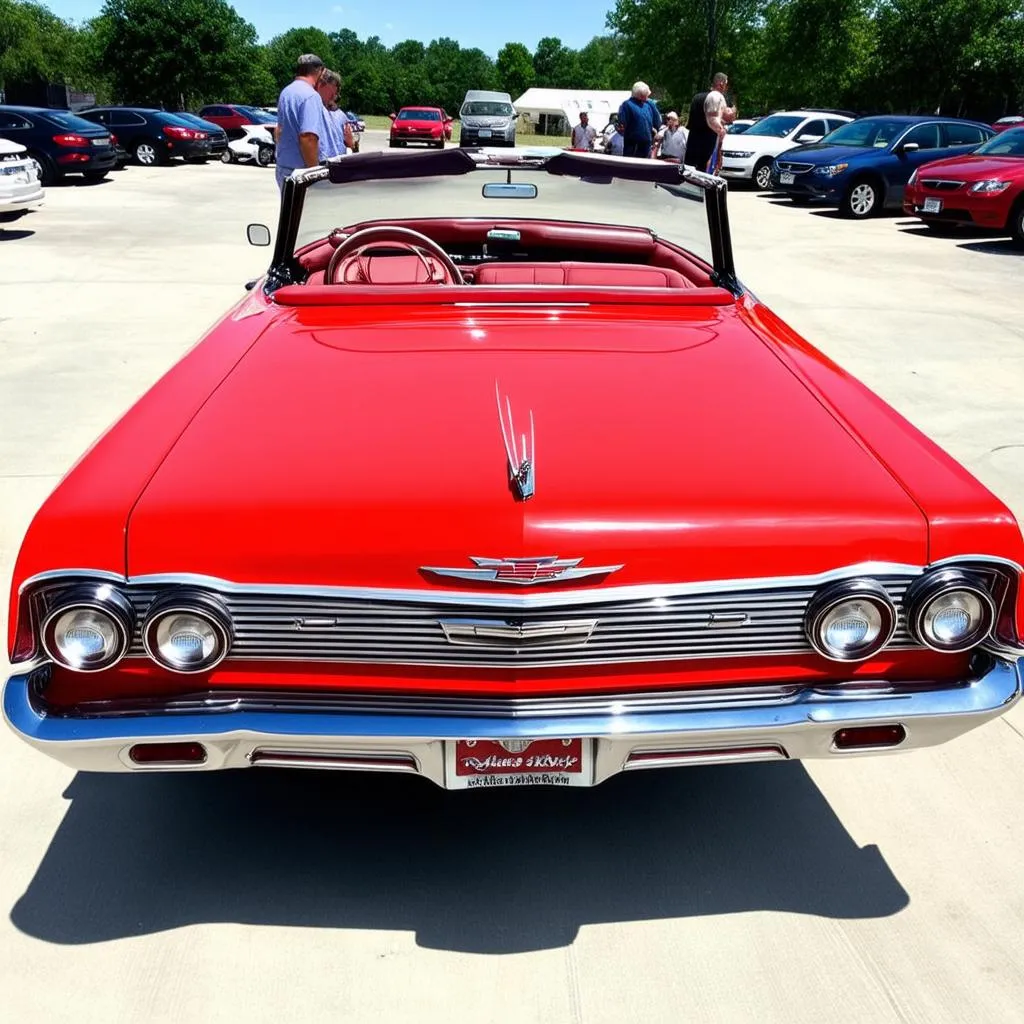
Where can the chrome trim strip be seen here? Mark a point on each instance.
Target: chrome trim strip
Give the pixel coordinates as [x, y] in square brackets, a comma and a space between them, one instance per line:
[639, 591]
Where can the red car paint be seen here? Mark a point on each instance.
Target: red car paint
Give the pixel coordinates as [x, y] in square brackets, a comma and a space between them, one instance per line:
[420, 124]
[949, 183]
[690, 436]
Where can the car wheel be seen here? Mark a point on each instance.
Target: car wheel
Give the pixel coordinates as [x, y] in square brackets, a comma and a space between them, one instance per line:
[862, 200]
[45, 171]
[93, 176]
[763, 175]
[147, 154]
[1017, 223]
[227, 157]
[264, 157]
[440, 145]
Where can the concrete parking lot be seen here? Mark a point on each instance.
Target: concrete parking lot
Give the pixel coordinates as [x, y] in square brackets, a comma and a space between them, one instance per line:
[881, 889]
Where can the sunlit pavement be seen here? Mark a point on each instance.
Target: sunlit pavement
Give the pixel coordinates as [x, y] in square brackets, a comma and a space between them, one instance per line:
[880, 889]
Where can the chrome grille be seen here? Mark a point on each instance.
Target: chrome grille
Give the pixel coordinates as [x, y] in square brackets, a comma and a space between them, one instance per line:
[321, 628]
[941, 184]
[794, 168]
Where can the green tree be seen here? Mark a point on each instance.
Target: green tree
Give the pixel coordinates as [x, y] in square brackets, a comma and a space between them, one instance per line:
[556, 66]
[281, 53]
[515, 69]
[600, 64]
[37, 46]
[175, 53]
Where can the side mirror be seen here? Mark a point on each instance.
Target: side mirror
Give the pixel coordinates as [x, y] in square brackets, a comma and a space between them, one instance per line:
[804, 139]
[909, 147]
[258, 234]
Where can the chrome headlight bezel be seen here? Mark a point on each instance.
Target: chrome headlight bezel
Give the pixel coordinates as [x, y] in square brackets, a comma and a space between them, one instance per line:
[989, 187]
[834, 595]
[927, 589]
[196, 603]
[830, 170]
[101, 599]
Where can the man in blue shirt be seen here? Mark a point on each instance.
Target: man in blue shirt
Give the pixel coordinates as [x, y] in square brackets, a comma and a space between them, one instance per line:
[336, 139]
[300, 119]
[640, 120]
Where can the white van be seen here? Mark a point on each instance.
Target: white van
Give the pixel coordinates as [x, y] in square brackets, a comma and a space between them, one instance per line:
[487, 119]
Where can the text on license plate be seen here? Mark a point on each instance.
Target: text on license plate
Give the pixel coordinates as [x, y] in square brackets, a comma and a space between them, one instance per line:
[786, 178]
[933, 206]
[474, 764]
[485, 133]
[101, 142]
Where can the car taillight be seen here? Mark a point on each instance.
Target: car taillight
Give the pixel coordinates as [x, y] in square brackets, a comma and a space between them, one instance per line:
[71, 140]
[174, 132]
[113, 139]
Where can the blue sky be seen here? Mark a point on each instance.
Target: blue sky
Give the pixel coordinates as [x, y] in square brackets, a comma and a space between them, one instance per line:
[487, 25]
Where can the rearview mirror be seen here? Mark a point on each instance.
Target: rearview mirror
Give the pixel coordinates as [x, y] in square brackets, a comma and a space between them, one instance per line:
[509, 190]
[258, 234]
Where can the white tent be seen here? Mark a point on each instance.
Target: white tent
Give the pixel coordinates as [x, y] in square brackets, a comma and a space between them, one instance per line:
[569, 104]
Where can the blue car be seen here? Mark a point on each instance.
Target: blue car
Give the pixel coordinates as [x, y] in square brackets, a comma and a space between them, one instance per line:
[863, 167]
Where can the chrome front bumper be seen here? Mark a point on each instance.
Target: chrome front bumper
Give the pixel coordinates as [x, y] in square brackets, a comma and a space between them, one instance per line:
[658, 731]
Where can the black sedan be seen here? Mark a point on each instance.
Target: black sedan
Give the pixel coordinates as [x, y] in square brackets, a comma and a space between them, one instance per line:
[151, 136]
[59, 142]
[217, 136]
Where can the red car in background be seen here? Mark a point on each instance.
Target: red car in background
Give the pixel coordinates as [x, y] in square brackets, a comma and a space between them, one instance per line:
[420, 124]
[1004, 124]
[233, 116]
[983, 189]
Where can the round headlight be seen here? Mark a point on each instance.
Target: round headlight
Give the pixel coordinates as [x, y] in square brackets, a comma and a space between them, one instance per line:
[187, 632]
[850, 620]
[89, 629]
[949, 610]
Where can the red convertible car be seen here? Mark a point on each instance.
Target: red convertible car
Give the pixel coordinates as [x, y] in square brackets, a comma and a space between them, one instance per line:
[471, 487]
[984, 188]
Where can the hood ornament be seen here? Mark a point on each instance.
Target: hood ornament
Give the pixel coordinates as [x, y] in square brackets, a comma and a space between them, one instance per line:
[524, 572]
[521, 462]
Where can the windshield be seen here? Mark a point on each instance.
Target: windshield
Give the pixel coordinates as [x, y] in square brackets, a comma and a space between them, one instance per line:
[69, 121]
[1009, 143]
[867, 133]
[678, 215]
[419, 115]
[480, 108]
[258, 116]
[778, 126]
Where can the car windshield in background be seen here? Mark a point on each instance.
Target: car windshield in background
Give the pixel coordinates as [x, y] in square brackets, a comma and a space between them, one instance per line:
[480, 108]
[419, 115]
[867, 133]
[182, 122]
[778, 126]
[68, 121]
[676, 214]
[1009, 143]
[258, 116]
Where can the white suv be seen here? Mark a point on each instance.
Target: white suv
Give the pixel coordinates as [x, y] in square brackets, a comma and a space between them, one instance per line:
[749, 156]
[20, 188]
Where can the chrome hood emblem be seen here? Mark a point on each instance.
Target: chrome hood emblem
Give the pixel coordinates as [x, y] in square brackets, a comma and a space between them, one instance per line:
[523, 572]
[521, 461]
[516, 635]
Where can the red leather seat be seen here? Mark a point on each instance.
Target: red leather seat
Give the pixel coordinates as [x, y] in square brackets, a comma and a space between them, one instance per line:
[615, 275]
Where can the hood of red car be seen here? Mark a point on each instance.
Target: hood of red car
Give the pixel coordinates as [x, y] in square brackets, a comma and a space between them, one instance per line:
[976, 168]
[353, 447]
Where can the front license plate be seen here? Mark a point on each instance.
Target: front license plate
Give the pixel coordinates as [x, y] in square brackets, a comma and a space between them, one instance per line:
[474, 764]
[933, 206]
[484, 133]
[786, 178]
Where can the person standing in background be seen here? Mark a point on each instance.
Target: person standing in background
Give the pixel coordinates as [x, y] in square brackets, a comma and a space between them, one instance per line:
[670, 143]
[337, 136]
[583, 135]
[616, 142]
[709, 115]
[300, 119]
[640, 120]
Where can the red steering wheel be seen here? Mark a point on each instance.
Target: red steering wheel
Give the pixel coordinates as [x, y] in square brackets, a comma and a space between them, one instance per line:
[401, 238]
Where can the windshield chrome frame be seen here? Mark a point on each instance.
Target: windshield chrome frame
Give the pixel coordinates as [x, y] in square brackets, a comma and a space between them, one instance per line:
[285, 269]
